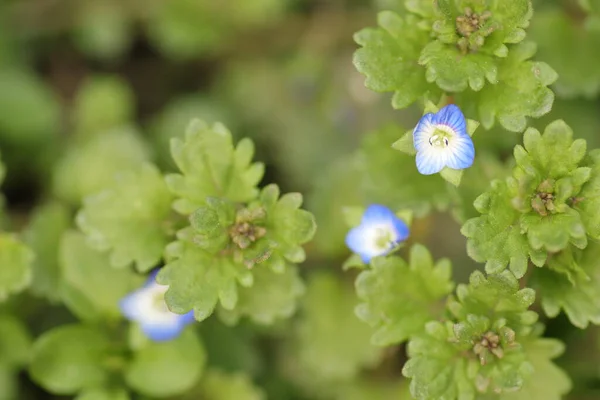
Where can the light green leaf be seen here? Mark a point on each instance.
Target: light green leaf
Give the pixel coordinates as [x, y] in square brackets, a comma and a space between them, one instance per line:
[91, 288]
[218, 385]
[103, 394]
[388, 58]
[211, 167]
[272, 296]
[130, 218]
[16, 259]
[69, 358]
[167, 368]
[43, 234]
[397, 298]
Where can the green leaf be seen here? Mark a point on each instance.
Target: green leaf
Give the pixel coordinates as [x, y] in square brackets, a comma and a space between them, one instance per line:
[90, 166]
[43, 234]
[579, 296]
[397, 298]
[198, 280]
[522, 91]
[548, 382]
[454, 176]
[130, 218]
[211, 167]
[91, 288]
[272, 296]
[69, 359]
[16, 259]
[167, 368]
[451, 361]
[15, 342]
[103, 394]
[495, 237]
[318, 349]
[218, 385]
[587, 201]
[498, 297]
[388, 58]
[103, 102]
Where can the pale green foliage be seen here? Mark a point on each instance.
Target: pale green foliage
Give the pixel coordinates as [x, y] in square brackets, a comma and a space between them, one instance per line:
[90, 166]
[399, 298]
[272, 296]
[43, 234]
[388, 58]
[102, 103]
[218, 385]
[549, 203]
[330, 345]
[15, 342]
[130, 218]
[577, 293]
[103, 394]
[167, 368]
[15, 261]
[90, 288]
[211, 166]
[69, 358]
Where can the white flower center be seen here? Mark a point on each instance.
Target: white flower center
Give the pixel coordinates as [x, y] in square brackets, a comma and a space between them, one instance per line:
[152, 306]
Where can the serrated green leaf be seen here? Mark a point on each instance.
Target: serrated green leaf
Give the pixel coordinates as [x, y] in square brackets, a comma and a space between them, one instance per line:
[198, 280]
[15, 342]
[102, 103]
[319, 351]
[69, 358]
[218, 385]
[577, 295]
[130, 218]
[522, 91]
[90, 287]
[211, 167]
[587, 201]
[397, 298]
[91, 166]
[167, 368]
[16, 259]
[388, 58]
[272, 296]
[43, 234]
[548, 382]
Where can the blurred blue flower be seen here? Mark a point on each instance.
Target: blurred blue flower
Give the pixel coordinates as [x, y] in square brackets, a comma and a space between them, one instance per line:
[147, 307]
[380, 230]
[441, 140]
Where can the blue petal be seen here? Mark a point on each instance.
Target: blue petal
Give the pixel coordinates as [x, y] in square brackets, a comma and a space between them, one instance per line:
[162, 332]
[356, 241]
[462, 153]
[152, 277]
[430, 161]
[129, 306]
[402, 231]
[187, 318]
[423, 131]
[376, 214]
[453, 117]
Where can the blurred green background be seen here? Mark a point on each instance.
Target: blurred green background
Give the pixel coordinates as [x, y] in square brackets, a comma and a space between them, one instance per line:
[89, 88]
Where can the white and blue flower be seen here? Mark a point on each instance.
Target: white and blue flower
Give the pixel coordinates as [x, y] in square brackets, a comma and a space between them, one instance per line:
[379, 232]
[147, 307]
[441, 140]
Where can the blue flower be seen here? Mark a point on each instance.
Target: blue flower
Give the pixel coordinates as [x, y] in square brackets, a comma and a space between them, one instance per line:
[380, 230]
[441, 140]
[147, 307]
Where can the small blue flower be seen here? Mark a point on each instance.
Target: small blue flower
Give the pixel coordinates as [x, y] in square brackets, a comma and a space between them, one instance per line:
[147, 307]
[441, 140]
[380, 230]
